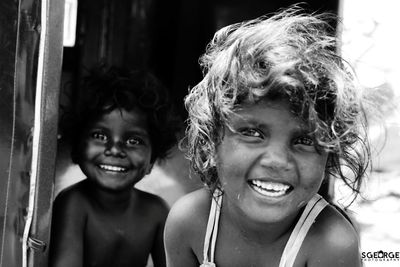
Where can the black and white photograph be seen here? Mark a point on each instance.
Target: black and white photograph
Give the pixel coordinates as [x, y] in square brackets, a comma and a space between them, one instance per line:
[213, 133]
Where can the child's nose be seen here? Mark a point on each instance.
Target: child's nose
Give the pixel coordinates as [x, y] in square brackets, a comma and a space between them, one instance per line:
[276, 157]
[115, 149]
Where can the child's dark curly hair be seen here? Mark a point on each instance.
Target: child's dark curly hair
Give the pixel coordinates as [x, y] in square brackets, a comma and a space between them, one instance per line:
[290, 55]
[108, 88]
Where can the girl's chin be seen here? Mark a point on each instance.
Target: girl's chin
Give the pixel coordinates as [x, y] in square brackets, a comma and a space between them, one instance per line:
[268, 215]
[267, 209]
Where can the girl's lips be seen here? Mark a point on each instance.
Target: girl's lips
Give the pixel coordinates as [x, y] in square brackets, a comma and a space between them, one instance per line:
[270, 188]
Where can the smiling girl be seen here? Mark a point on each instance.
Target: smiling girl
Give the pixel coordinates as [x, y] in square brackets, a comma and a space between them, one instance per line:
[276, 113]
[122, 125]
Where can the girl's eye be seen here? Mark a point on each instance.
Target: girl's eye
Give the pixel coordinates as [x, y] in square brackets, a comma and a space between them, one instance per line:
[99, 136]
[305, 141]
[250, 132]
[133, 141]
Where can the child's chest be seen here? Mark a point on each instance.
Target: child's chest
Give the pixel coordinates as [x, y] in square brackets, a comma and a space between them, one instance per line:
[113, 238]
[233, 253]
[232, 250]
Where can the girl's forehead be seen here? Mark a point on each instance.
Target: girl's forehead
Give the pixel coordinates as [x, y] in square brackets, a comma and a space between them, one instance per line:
[263, 106]
[280, 102]
[123, 113]
[268, 112]
[134, 116]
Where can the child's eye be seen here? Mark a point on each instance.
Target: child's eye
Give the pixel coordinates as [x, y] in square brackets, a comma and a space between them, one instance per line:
[305, 141]
[133, 141]
[99, 136]
[250, 132]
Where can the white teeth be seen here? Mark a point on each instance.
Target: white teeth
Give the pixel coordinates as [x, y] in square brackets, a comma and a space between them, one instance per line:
[112, 168]
[270, 188]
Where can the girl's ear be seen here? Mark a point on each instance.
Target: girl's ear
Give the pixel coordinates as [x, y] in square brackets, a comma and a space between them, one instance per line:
[149, 168]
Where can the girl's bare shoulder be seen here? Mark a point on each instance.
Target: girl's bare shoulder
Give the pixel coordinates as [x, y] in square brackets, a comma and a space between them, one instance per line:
[75, 194]
[191, 209]
[187, 221]
[332, 240]
[71, 206]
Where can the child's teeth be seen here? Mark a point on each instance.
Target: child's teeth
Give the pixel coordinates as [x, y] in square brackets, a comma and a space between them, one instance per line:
[112, 168]
[270, 185]
[270, 188]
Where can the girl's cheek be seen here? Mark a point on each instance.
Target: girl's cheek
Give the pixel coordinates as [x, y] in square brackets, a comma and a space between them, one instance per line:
[141, 155]
[91, 148]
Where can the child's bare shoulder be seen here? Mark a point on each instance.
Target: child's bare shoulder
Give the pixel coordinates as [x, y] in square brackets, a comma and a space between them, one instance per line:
[72, 204]
[188, 217]
[154, 204]
[192, 208]
[332, 226]
[75, 194]
[333, 240]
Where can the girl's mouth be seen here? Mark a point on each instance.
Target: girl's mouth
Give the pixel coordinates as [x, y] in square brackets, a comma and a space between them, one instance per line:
[112, 168]
[270, 189]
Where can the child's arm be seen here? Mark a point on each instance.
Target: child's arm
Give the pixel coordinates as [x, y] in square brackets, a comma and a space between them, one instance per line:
[158, 249]
[336, 242]
[181, 232]
[66, 246]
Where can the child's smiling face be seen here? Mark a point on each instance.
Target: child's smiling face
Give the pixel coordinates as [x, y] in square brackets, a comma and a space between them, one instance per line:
[267, 163]
[116, 150]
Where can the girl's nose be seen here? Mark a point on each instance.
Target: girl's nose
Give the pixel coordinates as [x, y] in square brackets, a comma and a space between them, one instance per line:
[115, 149]
[276, 157]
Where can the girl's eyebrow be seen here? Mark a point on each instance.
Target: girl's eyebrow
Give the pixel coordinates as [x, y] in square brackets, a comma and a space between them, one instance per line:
[243, 121]
[304, 129]
[301, 129]
[238, 118]
[138, 131]
[133, 130]
[302, 132]
[97, 126]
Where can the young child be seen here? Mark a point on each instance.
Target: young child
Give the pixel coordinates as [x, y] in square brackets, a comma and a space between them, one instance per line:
[276, 113]
[122, 125]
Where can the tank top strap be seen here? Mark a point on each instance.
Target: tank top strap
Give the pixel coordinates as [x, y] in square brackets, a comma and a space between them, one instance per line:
[212, 230]
[307, 218]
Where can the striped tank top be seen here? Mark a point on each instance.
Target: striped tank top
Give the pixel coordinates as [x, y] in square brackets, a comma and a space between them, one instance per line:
[307, 218]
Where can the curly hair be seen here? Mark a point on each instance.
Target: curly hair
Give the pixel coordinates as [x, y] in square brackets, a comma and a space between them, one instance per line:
[105, 89]
[291, 55]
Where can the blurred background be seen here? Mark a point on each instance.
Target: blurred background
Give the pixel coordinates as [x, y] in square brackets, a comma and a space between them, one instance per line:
[370, 43]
